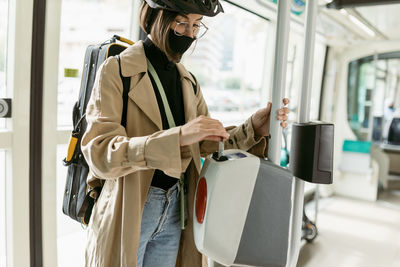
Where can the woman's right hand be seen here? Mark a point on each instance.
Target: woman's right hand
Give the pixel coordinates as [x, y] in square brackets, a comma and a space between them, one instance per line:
[202, 128]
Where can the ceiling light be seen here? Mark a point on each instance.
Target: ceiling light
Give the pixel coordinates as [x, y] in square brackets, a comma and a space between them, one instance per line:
[361, 25]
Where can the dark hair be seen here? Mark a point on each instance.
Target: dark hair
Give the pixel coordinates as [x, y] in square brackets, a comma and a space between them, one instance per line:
[157, 22]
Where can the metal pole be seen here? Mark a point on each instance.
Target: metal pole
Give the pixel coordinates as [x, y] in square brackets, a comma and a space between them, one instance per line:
[279, 78]
[316, 203]
[303, 116]
[372, 100]
[306, 85]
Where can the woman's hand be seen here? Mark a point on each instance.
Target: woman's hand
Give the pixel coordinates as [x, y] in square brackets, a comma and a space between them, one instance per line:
[202, 128]
[261, 119]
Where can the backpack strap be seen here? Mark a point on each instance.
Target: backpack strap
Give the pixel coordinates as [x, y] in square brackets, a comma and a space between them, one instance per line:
[126, 81]
[194, 85]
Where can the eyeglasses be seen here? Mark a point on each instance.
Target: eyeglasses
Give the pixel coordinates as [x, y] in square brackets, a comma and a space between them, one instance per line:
[198, 29]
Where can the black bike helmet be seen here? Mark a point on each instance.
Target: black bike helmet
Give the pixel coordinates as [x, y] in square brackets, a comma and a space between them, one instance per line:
[208, 8]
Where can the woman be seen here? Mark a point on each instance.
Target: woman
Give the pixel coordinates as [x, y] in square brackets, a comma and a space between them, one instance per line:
[136, 220]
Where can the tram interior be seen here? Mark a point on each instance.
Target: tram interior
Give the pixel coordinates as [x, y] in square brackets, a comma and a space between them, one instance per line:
[355, 86]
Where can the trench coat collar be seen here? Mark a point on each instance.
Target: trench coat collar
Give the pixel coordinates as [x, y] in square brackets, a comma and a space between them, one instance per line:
[133, 62]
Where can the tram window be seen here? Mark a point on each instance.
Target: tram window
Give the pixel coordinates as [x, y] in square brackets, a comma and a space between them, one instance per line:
[228, 62]
[369, 84]
[295, 74]
[2, 209]
[3, 51]
[318, 68]
[78, 30]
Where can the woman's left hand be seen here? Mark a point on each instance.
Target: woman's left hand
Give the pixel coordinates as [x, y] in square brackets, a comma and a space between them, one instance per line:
[261, 119]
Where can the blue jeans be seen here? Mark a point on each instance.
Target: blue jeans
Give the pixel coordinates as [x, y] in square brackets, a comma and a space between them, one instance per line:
[160, 228]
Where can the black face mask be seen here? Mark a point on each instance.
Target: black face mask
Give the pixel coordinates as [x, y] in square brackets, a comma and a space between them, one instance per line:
[179, 44]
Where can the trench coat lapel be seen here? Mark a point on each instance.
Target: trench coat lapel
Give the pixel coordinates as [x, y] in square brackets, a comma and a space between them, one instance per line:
[143, 95]
[134, 64]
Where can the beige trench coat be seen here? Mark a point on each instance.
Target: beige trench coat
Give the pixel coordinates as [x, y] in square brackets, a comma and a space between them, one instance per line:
[127, 157]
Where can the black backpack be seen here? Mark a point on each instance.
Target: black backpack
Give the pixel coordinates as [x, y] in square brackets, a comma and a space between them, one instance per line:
[79, 198]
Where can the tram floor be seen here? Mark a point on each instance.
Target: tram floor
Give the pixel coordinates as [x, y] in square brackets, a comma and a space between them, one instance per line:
[356, 233]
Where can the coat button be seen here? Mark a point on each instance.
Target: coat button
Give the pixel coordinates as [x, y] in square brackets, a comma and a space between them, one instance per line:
[230, 141]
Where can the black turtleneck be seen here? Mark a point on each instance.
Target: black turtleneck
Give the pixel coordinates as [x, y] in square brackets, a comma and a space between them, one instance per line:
[171, 81]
